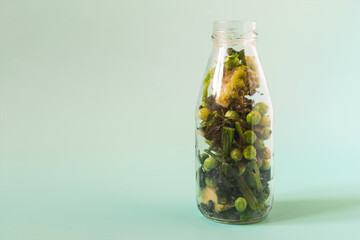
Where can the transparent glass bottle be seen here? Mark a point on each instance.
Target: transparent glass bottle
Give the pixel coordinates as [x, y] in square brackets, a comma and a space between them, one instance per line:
[234, 130]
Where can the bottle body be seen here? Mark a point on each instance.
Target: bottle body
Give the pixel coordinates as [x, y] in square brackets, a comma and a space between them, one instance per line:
[234, 130]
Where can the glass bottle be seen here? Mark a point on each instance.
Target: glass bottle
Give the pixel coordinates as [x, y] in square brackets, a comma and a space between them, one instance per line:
[234, 130]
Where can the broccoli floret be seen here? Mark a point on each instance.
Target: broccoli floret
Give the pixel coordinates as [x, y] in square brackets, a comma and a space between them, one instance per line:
[231, 62]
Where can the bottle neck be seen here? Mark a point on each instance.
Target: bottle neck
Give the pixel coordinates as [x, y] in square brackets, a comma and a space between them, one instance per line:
[233, 43]
[234, 32]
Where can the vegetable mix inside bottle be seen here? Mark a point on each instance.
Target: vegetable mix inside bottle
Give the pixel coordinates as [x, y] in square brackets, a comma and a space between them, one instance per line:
[234, 129]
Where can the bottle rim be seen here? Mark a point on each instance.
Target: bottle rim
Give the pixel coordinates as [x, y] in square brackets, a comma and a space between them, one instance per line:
[233, 30]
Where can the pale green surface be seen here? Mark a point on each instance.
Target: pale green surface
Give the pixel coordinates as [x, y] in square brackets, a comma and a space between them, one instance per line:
[96, 118]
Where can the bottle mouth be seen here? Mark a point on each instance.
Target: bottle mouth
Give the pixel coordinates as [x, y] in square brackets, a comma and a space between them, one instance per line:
[234, 30]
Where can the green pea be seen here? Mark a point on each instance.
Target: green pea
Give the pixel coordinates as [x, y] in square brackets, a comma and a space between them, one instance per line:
[266, 165]
[204, 113]
[210, 163]
[203, 156]
[266, 134]
[236, 154]
[261, 107]
[259, 162]
[250, 136]
[259, 144]
[265, 121]
[249, 152]
[266, 153]
[253, 118]
[232, 115]
[209, 182]
[240, 204]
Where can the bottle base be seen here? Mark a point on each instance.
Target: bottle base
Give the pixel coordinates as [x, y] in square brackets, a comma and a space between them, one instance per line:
[235, 222]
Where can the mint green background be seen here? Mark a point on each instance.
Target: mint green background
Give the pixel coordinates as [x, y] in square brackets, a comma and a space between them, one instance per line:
[97, 126]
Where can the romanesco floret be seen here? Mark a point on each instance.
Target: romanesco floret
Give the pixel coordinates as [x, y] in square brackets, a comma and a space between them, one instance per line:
[232, 83]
